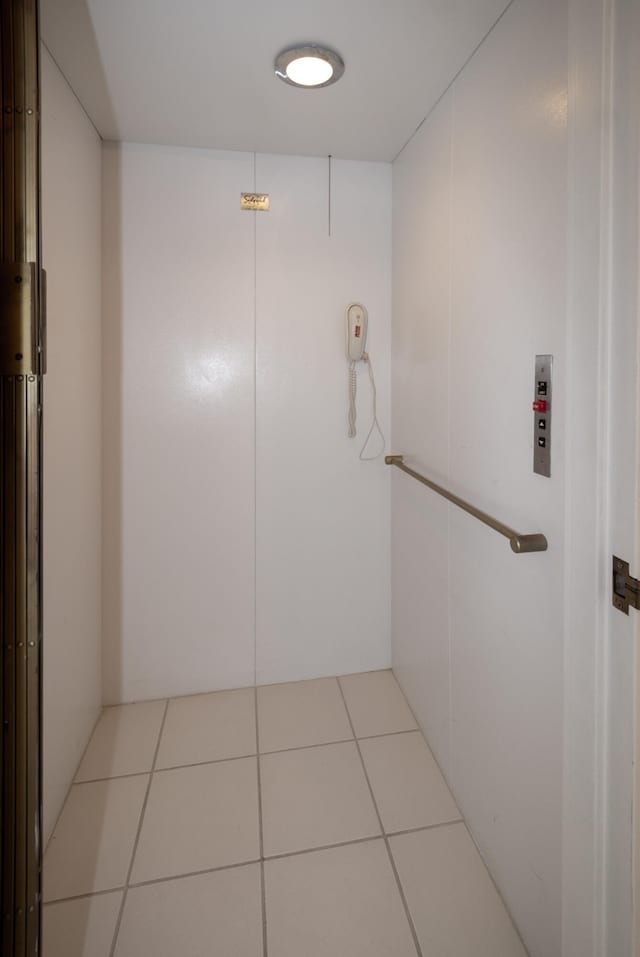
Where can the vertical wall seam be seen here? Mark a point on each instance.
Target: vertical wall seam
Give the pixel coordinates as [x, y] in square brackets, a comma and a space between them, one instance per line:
[602, 744]
[449, 367]
[453, 81]
[255, 428]
[572, 83]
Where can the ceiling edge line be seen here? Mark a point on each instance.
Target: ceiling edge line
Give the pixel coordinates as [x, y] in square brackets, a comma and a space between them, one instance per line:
[453, 80]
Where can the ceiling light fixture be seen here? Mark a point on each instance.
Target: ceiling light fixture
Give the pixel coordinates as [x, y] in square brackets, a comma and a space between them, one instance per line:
[309, 66]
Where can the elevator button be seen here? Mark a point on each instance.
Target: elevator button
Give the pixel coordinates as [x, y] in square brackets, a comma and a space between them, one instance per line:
[540, 405]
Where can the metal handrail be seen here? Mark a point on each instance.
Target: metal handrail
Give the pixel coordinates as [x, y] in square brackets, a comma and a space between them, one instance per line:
[519, 543]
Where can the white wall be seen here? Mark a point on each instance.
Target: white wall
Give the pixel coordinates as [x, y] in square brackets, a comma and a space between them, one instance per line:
[479, 289]
[178, 426]
[71, 162]
[323, 591]
[225, 377]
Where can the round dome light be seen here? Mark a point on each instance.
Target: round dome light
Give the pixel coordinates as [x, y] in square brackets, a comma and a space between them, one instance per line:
[309, 66]
[309, 71]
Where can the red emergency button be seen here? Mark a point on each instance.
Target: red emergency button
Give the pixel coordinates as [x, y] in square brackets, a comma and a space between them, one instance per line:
[540, 405]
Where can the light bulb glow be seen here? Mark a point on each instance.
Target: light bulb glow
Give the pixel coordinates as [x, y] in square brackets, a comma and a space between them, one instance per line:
[309, 71]
[309, 66]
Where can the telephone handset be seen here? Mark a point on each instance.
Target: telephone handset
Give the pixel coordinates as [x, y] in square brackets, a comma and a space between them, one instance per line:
[357, 327]
[357, 324]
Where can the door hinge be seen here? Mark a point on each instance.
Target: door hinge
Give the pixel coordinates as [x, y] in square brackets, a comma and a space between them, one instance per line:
[22, 319]
[626, 590]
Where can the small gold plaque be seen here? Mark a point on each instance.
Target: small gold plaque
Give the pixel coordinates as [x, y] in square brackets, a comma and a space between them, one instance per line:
[259, 201]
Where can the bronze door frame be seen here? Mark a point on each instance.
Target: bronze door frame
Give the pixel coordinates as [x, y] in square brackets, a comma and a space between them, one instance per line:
[22, 357]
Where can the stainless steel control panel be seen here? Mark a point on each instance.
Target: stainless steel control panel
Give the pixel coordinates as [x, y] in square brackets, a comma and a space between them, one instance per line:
[542, 399]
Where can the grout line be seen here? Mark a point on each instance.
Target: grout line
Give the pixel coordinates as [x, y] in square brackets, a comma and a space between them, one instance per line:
[390, 734]
[252, 754]
[241, 757]
[263, 890]
[249, 863]
[307, 747]
[155, 880]
[426, 827]
[202, 764]
[112, 777]
[263, 894]
[176, 697]
[80, 897]
[363, 840]
[461, 820]
[138, 832]
[207, 870]
[384, 835]
[66, 797]
[323, 847]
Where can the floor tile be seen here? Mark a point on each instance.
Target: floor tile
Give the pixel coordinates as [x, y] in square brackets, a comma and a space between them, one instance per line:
[218, 913]
[300, 714]
[92, 843]
[314, 797]
[454, 904]
[208, 727]
[341, 902]
[80, 928]
[407, 784]
[124, 741]
[376, 704]
[199, 818]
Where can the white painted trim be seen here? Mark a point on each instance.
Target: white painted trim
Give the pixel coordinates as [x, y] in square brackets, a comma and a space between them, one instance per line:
[587, 477]
[636, 799]
[621, 245]
[636, 756]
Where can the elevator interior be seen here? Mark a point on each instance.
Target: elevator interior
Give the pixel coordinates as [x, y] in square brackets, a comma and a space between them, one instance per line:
[211, 528]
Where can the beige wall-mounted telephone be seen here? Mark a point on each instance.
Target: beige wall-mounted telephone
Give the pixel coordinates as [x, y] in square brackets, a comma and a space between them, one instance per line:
[357, 324]
[357, 328]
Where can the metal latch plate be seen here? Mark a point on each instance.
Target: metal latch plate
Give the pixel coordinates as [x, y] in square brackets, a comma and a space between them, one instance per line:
[18, 332]
[626, 589]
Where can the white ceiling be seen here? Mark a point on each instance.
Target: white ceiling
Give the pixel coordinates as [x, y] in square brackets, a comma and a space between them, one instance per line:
[200, 72]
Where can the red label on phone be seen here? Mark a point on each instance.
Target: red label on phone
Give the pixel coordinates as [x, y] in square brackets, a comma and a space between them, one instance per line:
[357, 332]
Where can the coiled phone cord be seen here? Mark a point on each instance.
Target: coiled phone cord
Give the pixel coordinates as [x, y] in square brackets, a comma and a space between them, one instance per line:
[353, 378]
[353, 384]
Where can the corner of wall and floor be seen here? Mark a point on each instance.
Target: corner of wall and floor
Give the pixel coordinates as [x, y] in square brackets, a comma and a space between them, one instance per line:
[71, 171]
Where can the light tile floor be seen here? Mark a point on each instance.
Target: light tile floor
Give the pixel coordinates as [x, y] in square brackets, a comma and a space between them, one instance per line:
[299, 819]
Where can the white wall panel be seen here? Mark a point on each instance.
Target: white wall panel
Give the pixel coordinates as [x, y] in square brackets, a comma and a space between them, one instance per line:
[507, 281]
[71, 160]
[421, 334]
[198, 295]
[322, 515]
[179, 436]
[509, 303]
